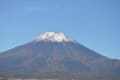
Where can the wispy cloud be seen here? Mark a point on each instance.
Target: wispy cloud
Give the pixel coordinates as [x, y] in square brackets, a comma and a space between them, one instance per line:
[33, 9]
[25, 7]
[40, 8]
[36, 8]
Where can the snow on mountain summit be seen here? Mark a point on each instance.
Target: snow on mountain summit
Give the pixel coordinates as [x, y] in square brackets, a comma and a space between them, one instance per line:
[54, 37]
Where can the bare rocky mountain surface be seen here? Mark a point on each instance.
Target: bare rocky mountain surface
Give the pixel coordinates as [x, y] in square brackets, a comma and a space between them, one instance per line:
[55, 55]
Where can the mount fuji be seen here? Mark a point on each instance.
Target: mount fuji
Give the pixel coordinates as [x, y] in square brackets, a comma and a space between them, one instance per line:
[55, 55]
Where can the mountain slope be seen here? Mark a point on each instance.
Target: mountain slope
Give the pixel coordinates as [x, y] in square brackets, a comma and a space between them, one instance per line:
[55, 57]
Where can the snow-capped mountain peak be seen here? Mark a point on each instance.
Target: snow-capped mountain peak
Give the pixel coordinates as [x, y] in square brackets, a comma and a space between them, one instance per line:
[54, 37]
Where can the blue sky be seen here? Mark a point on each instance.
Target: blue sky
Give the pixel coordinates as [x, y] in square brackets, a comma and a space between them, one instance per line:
[93, 23]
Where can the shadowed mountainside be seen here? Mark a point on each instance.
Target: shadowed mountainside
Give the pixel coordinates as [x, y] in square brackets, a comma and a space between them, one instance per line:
[47, 59]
